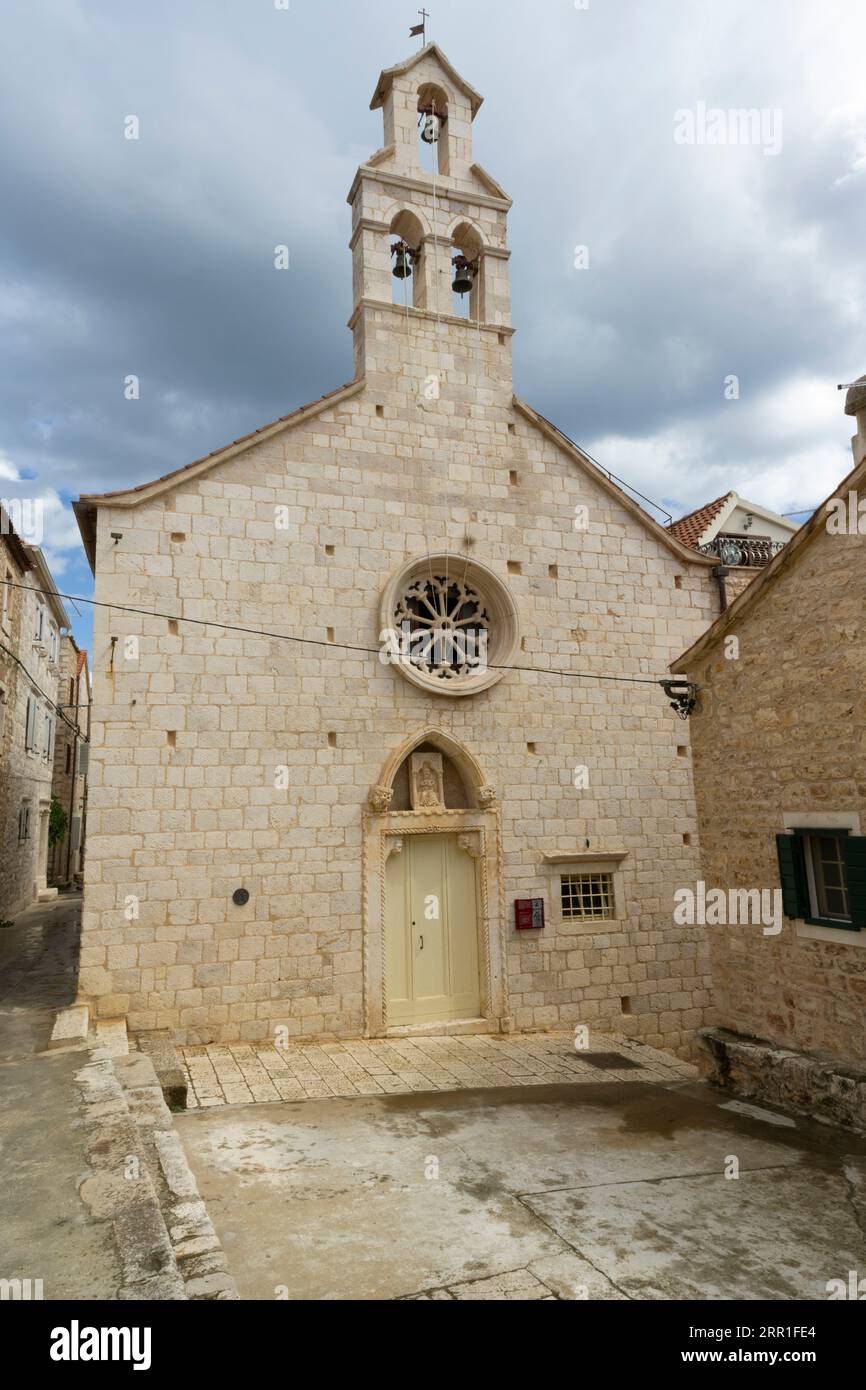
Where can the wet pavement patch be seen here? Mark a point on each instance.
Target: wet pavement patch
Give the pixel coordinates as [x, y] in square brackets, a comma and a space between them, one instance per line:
[605, 1190]
[609, 1061]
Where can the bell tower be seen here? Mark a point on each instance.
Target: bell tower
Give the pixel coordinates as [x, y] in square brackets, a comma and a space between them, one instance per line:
[429, 238]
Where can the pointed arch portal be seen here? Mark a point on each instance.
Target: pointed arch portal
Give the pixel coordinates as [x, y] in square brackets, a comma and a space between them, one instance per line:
[433, 912]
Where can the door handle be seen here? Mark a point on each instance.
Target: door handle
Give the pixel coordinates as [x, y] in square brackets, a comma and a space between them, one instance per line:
[422, 943]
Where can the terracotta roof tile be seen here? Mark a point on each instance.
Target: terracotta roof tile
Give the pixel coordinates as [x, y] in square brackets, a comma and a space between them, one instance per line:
[690, 528]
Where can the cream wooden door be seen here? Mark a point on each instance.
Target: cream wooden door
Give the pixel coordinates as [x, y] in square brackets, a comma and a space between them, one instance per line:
[431, 932]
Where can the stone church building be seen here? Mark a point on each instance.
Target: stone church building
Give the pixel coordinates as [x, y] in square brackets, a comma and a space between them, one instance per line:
[359, 763]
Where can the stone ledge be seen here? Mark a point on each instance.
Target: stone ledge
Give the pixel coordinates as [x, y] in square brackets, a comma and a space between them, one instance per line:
[111, 1036]
[159, 1047]
[827, 1090]
[71, 1025]
[197, 1256]
[118, 1187]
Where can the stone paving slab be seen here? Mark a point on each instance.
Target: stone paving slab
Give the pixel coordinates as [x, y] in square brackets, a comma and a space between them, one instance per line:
[240, 1073]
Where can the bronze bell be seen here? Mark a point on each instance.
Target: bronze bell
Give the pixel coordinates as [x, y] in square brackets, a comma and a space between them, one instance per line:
[403, 263]
[430, 129]
[463, 277]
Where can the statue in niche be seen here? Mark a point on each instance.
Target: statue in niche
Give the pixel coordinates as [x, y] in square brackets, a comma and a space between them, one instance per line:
[426, 782]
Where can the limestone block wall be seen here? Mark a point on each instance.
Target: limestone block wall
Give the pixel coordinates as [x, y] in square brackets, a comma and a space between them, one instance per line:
[67, 785]
[780, 730]
[11, 739]
[400, 117]
[188, 732]
[25, 776]
[737, 579]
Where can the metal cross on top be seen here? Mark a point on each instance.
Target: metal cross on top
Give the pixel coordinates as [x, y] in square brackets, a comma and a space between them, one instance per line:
[420, 28]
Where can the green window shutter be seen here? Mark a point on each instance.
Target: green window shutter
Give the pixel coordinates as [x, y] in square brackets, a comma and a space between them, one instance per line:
[792, 876]
[854, 853]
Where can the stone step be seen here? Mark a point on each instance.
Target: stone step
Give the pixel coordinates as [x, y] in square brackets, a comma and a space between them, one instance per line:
[111, 1035]
[197, 1254]
[159, 1046]
[71, 1025]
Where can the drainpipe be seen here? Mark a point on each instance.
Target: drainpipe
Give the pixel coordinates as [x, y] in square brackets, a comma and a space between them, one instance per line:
[720, 573]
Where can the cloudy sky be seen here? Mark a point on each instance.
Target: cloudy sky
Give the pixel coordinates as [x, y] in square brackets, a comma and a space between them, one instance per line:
[155, 257]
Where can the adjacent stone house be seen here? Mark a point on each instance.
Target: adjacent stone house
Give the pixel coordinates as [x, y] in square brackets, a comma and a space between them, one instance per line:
[69, 786]
[383, 748]
[31, 617]
[14, 566]
[778, 746]
[742, 536]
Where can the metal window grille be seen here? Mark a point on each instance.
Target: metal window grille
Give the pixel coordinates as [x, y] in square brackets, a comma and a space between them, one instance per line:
[587, 896]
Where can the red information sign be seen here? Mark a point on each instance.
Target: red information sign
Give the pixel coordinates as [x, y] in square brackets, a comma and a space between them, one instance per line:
[529, 914]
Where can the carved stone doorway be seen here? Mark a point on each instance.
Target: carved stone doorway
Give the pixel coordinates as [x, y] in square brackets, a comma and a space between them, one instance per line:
[405, 990]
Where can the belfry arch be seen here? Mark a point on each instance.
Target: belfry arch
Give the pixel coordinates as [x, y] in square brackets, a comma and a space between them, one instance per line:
[408, 231]
[434, 134]
[468, 248]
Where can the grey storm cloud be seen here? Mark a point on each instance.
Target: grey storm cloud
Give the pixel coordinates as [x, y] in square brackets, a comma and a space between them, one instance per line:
[155, 257]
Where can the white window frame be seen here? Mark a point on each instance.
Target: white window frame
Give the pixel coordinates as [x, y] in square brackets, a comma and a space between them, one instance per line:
[8, 598]
[30, 722]
[809, 852]
[823, 820]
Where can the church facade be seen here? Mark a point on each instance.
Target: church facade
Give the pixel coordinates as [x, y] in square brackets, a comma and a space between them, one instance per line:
[358, 766]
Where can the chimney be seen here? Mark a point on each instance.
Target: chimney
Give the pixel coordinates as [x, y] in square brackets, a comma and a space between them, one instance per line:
[855, 404]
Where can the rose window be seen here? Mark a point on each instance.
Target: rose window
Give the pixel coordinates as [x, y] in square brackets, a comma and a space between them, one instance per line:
[445, 627]
[448, 624]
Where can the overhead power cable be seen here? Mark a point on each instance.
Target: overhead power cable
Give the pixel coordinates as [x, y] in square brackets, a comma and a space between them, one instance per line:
[36, 686]
[320, 642]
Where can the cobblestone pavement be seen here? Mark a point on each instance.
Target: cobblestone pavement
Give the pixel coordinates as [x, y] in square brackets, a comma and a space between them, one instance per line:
[237, 1073]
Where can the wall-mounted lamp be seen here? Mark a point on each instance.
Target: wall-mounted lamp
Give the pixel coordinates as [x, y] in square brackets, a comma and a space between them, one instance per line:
[683, 696]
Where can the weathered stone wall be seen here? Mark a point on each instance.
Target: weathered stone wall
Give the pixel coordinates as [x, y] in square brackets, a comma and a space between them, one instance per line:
[819, 1087]
[11, 746]
[25, 777]
[186, 737]
[67, 785]
[782, 729]
[430, 455]
[738, 579]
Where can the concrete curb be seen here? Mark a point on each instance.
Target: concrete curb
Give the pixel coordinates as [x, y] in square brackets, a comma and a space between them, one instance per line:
[196, 1250]
[159, 1047]
[119, 1188]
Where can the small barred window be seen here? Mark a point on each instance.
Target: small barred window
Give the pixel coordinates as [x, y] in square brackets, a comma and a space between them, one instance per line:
[587, 896]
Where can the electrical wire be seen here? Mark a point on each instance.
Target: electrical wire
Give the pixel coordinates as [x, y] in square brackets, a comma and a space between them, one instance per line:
[319, 642]
[36, 686]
